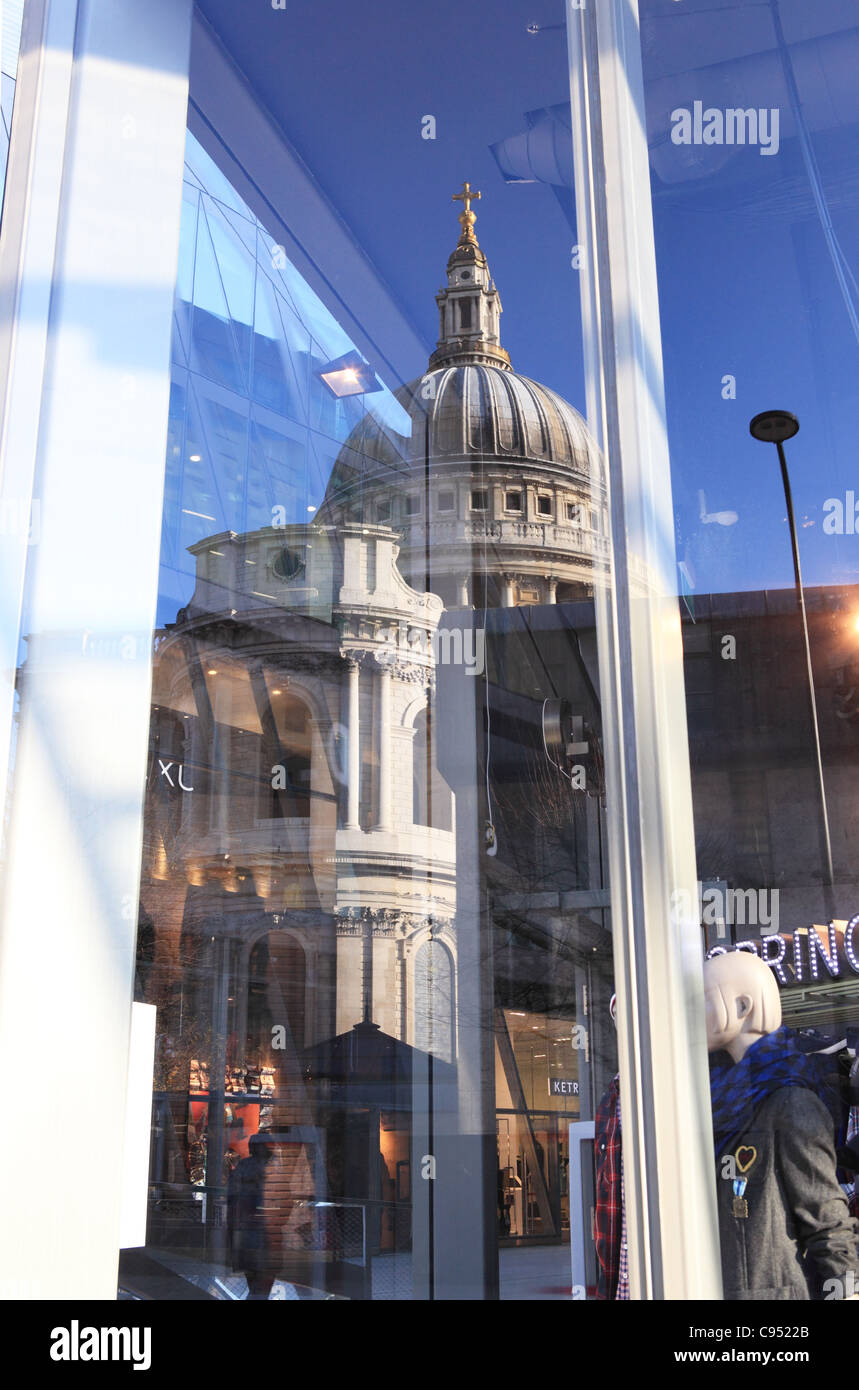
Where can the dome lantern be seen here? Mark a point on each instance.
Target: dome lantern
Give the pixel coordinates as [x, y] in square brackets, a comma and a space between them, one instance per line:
[469, 306]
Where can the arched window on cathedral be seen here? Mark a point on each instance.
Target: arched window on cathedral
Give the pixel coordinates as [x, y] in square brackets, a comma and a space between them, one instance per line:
[432, 802]
[290, 757]
[277, 972]
[433, 999]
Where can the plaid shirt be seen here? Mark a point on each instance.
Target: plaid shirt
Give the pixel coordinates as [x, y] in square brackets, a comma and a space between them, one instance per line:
[608, 1213]
[622, 1291]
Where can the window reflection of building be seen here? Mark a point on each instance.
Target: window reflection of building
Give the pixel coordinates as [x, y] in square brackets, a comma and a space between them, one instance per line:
[302, 873]
[432, 802]
[434, 1026]
[276, 985]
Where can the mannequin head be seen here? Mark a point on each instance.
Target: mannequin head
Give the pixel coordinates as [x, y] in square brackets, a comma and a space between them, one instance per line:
[742, 1001]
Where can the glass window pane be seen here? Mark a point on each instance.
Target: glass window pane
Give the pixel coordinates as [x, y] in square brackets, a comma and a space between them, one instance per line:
[751, 117]
[375, 916]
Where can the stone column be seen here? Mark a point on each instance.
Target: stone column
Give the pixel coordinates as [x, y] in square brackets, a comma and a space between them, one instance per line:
[353, 786]
[385, 768]
[350, 970]
[464, 601]
[552, 589]
[507, 599]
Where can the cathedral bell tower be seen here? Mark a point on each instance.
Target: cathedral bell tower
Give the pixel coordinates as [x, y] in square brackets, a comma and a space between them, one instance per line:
[470, 306]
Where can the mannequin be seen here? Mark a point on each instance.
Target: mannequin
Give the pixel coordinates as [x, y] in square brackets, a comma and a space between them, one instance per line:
[783, 1218]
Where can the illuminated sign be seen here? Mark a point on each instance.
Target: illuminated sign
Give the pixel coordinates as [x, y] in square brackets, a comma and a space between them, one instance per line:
[808, 955]
[563, 1086]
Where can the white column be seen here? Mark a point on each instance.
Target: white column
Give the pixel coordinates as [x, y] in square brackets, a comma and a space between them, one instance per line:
[552, 589]
[350, 977]
[507, 598]
[662, 1051]
[463, 591]
[87, 272]
[353, 793]
[385, 769]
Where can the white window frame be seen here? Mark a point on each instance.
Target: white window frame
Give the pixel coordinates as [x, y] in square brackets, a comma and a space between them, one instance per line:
[89, 246]
[667, 1134]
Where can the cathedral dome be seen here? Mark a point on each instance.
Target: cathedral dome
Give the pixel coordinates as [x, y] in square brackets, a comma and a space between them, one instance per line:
[477, 412]
[489, 456]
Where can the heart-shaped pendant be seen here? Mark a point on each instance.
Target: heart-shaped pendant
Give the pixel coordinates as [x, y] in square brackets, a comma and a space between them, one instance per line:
[745, 1157]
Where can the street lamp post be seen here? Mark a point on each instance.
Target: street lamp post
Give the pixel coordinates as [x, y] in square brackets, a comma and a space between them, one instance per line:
[774, 427]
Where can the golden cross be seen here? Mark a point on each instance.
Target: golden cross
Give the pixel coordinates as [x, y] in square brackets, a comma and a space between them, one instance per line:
[466, 196]
[467, 218]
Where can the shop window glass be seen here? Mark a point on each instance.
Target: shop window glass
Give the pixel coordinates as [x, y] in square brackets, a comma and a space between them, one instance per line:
[374, 894]
[737, 110]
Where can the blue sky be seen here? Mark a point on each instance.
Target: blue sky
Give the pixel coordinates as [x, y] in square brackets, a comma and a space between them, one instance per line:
[747, 286]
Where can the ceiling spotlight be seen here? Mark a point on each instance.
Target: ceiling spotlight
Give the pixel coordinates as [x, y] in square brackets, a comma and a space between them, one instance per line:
[349, 375]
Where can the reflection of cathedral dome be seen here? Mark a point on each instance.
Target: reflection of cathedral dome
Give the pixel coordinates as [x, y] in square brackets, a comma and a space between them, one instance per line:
[476, 412]
[502, 468]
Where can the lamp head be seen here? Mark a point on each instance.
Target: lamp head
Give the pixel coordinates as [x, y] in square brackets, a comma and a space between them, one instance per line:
[774, 426]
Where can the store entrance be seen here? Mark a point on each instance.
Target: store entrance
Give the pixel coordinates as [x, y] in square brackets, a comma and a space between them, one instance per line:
[532, 1164]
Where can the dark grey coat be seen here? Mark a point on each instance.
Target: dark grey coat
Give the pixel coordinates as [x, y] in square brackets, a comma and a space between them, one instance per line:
[797, 1210]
